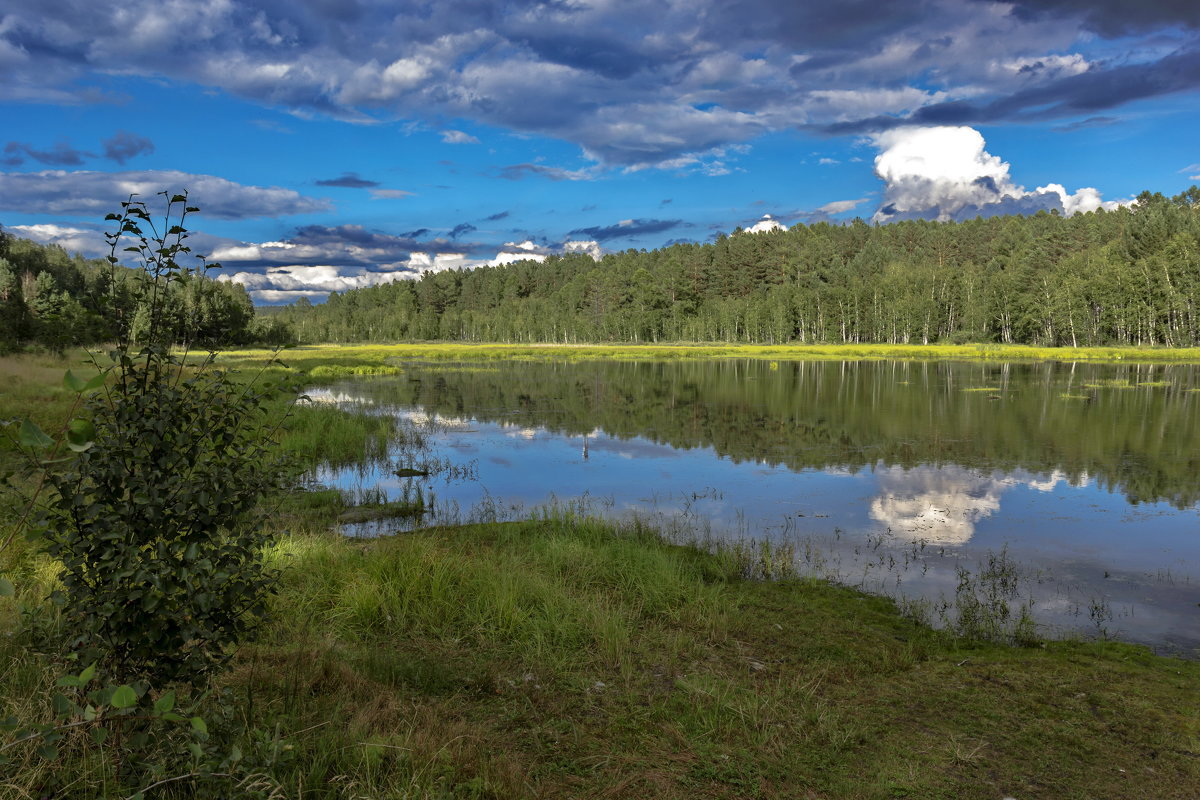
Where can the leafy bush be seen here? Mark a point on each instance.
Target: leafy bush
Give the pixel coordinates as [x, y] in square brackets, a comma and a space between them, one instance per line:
[153, 521]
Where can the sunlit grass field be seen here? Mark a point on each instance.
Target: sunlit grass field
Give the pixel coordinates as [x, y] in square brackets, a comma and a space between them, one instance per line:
[332, 361]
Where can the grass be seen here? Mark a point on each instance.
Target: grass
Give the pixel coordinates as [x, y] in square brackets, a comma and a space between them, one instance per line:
[322, 432]
[325, 362]
[566, 657]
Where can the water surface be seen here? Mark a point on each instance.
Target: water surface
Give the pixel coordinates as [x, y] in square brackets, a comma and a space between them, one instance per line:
[887, 475]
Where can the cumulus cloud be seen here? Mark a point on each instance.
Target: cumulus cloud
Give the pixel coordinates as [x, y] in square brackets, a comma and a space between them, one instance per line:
[285, 284]
[946, 173]
[97, 193]
[588, 247]
[673, 81]
[124, 145]
[88, 241]
[316, 259]
[512, 252]
[766, 225]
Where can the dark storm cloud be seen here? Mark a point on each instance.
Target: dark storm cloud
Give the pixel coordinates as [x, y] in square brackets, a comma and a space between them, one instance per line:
[627, 229]
[499, 215]
[349, 180]
[1115, 17]
[1095, 90]
[461, 229]
[124, 145]
[635, 85]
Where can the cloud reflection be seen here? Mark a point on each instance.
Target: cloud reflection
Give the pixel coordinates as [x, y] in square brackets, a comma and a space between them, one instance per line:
[942, 505]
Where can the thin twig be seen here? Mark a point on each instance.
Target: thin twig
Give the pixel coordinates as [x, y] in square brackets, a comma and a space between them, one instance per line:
[180, 778]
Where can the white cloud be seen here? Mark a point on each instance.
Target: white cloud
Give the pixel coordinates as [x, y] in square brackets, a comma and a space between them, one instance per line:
[946, 173]
[840, 206]
[587, 246]
[458, 137]
[98, 193]
[390, 194]
[509, 257]
[420, 263]
[1039, 68]
[766, 224]
[73, 240]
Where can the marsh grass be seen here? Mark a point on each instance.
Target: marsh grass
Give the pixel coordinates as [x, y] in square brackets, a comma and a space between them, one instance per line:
[566, 657]
[327, 361]
[322, 433]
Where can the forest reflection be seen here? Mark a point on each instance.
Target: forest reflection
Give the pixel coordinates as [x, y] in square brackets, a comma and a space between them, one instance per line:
[947, 438]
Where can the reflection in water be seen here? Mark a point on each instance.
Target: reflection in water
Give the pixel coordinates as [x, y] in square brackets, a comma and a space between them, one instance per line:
[899, 473]
[942, 505]
[936, 505]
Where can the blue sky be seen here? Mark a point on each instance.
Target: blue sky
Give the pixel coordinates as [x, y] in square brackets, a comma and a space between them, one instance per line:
[334, 144]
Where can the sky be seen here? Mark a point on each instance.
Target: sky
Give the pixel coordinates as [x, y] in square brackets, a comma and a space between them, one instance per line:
[334, 144]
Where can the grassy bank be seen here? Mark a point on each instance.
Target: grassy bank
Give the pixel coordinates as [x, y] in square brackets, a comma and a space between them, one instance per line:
[333, 361]
[565, 657]
[570, 658]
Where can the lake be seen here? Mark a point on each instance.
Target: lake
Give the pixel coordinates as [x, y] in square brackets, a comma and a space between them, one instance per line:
[905, 478]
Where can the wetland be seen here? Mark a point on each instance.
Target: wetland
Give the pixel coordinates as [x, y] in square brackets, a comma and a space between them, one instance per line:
[903, 478]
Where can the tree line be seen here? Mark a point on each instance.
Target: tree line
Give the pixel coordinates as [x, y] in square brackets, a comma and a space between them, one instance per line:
[56, 300]
[1125, 277]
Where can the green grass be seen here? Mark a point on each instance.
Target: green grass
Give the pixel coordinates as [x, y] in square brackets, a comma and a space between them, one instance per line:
[566, 657]
[323, 362]
[323, 432]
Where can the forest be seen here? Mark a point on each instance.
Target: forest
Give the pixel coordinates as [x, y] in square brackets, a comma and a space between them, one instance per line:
[1124, 277]
[54, 300]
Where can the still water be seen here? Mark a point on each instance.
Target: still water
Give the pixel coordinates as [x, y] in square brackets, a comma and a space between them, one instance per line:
[892, 476]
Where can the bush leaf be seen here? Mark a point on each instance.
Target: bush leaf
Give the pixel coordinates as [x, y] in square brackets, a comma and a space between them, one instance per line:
[31, 435]
[124, 697]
